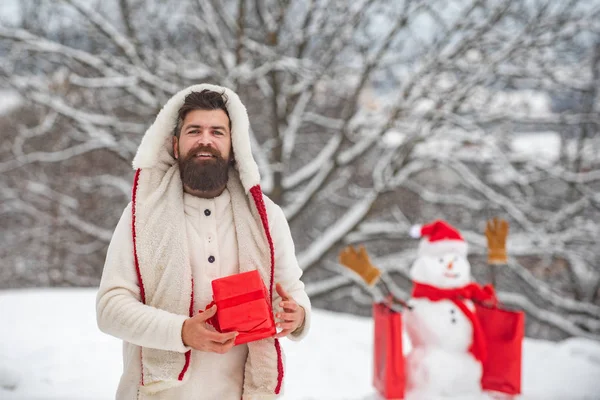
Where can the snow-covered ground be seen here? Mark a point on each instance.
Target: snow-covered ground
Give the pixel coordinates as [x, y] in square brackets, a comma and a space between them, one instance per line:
[50, 348]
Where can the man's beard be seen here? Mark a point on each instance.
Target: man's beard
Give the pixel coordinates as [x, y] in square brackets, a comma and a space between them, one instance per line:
[204, 175]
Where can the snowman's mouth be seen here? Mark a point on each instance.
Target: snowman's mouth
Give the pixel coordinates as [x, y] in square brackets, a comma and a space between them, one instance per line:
[451, 275]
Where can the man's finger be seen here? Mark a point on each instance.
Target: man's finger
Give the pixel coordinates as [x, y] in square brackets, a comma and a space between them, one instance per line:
[282, 292]
[289, 305]
[205, 315]
[220, 348]
[218, 337]
[283, 333]
[286, 325]
[287, 316]
[226, 343]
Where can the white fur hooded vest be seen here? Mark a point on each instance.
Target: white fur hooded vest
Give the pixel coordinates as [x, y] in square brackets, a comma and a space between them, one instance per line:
[160, 247]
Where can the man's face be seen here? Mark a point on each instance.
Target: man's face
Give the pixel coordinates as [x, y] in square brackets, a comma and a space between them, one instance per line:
[203, 150]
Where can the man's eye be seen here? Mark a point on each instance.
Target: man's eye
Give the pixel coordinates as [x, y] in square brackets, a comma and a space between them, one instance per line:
[218, 132]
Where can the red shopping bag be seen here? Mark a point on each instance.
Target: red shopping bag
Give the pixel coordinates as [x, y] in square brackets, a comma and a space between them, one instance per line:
[243, 305]
[388, 377]
[504, 331]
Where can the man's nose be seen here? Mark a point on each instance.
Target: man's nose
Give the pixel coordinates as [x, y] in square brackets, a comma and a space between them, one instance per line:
[204, 137]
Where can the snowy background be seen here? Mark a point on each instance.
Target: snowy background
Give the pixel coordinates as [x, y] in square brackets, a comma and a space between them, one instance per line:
[367, 116]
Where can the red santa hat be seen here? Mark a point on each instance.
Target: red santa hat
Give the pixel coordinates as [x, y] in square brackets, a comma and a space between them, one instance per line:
[439, 238]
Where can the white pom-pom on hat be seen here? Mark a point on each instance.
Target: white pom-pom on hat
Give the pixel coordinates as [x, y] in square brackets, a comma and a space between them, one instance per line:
[415, 231]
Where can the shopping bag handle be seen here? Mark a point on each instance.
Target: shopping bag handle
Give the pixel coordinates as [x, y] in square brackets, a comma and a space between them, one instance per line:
[390, 300]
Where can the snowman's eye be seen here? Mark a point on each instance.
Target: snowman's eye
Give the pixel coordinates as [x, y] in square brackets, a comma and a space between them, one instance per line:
[441, 260]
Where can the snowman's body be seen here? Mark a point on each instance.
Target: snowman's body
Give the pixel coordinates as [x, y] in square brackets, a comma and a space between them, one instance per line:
[440, 364]
[440, 374]
[439, 324]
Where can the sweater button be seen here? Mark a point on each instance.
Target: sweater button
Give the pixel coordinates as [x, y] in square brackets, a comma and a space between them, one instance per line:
[211, 259]
[207, 212]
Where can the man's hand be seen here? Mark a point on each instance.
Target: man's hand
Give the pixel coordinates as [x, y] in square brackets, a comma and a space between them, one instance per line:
[291, 316]
[197, 335]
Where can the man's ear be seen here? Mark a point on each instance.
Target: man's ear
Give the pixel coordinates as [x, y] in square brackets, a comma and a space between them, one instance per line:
[175, 147]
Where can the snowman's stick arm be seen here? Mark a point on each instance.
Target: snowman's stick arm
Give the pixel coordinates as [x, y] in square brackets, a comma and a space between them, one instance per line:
[393, 299]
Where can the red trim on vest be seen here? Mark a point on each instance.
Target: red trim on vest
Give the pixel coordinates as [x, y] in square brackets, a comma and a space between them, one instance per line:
[135, 256]
[257, 195]
[141, 282]
[472, 291]
[191, 310]
[188, 354]
[280, 371]
[136, 179]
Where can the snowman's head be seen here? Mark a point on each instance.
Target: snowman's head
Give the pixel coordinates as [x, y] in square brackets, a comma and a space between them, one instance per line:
[447, 271]
[442, 256]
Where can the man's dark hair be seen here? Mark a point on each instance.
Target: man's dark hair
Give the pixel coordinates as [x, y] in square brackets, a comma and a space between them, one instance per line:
[204, 100]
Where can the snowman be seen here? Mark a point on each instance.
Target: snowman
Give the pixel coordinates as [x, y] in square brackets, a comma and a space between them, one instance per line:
[448, 347]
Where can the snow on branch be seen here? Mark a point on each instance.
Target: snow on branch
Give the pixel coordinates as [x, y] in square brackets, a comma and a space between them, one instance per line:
[334, 234]
[25, 134]
[48, 46]
[335, 43]
[325, 122]
[496, 198]
[57, 104]
[545, 316]
[376, 231]
[108, 29]
[205, 21]
[110, 77]
[87, 227]
[562, 119]
[301, 199]
[91, 183]
[44, 190]
[314, 289]
[294, 122]
[549, 295]
[266, 172]
[444, 198]
[51, 157]
[315, 166]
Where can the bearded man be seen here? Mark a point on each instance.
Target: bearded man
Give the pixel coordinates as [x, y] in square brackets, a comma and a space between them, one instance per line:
[197, 214]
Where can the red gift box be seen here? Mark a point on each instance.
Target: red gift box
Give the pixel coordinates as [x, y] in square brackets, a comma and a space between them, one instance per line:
[388, 377]
[243, 305]
[504, 331]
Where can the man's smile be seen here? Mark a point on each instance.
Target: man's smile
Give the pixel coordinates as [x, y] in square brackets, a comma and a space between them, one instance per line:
[203, 154]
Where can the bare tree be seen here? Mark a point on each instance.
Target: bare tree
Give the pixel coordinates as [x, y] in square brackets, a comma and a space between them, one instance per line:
[367, 116]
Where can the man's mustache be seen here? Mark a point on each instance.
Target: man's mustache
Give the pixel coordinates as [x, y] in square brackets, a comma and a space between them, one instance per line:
[204, 149]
